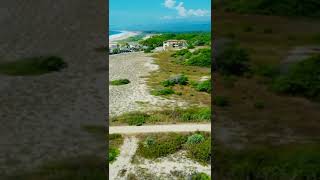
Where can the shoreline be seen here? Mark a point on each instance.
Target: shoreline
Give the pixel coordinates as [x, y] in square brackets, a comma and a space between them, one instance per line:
[123, 35]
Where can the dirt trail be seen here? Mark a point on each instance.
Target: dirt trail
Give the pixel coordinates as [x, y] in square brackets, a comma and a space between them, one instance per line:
[127, 150]
[159, 128]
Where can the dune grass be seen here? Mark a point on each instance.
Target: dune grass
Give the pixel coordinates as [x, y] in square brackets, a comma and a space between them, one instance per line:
[168, 69]
[32, 66]
[192, 114]
[119, 82]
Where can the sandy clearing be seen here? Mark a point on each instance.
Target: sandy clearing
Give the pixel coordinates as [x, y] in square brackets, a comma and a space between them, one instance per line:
[127, 150]
[159, 128]
[133, 66]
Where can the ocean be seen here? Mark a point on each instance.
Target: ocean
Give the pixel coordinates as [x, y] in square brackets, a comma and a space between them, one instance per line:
[114, 32]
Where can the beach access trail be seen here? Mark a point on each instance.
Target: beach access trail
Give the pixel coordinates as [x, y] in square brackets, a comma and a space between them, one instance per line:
[159, 128]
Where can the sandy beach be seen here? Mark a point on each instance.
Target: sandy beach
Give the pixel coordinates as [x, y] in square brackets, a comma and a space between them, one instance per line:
[121, 36]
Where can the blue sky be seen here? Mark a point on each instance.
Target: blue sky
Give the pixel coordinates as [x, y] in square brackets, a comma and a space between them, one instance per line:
[126, 13]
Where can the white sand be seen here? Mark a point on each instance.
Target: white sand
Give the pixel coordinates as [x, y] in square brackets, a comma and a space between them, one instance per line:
[159, 128]
[121, 36]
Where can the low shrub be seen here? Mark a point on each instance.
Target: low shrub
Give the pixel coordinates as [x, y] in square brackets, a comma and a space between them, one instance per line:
[204, 86]
[119, 82]
[195, 139]
[193, 114]
[162, 147]
[137, 119]
[200, 57]
[269, 71]
[113, 154]
[149, 142]
[179, 79]
[200, 176]
[220, 101]
[200, 152]
[164, 91]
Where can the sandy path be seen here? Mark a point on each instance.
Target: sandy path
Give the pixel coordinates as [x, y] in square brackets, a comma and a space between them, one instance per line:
[127, 150]
[159, 128]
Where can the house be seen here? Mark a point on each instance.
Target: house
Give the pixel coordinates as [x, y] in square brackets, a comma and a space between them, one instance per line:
[176, 44]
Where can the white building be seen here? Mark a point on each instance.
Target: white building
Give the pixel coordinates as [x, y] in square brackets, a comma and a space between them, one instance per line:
[176, 44]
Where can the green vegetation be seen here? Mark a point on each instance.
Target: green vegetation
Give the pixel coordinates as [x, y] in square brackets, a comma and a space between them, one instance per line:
[195, 39]
[162, 146]
[178, 79]
[77, 168]
[302, 79]
[162, 92]
[185, 90]
[200, 57]
[113, 154]
[233, 60]
[33, 66]
[193, 114]
[284, 162]
[115, 140]
[119, 82]
[198, 146]
[204, 86]
[308, 8]
[200, 176]
[195, 139]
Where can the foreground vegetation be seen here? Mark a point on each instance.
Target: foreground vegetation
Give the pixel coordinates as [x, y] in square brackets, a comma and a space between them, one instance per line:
[294, 162]
[193, 114]
[115, 141]
[77, 168]
[33, 66]
[197, 145]
[119, 82]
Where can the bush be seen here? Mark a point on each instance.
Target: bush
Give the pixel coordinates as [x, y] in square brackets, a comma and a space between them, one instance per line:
[301, 79]
[113, 154]
[149, 142]
[120, 82]
[165, 91]
[179, 79]
[137, 119]
[267, 71]
[148, 50]
[204, 86]
[221, 101]
[200, 152]
[194, 114]
[233, 60]
[33, 66]
[163, 146]
[200, 176]
[195, 139]
[190, 46]
[200, 57]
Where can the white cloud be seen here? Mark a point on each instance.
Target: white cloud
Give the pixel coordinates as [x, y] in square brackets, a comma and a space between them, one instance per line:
[182, 11]
[198, 12]
[169, 3]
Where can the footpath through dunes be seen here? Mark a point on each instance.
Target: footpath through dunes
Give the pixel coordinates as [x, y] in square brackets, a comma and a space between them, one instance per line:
[159, 128]
[42, 116]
